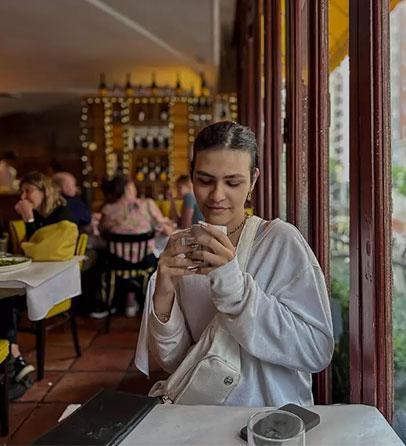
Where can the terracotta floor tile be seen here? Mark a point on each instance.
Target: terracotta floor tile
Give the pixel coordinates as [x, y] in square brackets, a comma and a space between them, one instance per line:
[77, 387]
[117, 339]
[104, 359]
[26, 341]
[42, 418]
[153, 365]
[137, 383]
[119, 322]
[56, 357]
[90, 323]
[64, 338]
[17, 414]
[41, 388]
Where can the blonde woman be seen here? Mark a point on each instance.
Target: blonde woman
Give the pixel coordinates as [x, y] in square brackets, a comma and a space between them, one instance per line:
[41, 204]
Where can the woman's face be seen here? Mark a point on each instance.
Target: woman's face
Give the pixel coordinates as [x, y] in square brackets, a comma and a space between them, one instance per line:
[130, 192]
[221, 182]
[32, 194]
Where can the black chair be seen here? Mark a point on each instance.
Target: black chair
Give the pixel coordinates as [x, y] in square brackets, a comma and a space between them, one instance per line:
[119, 248]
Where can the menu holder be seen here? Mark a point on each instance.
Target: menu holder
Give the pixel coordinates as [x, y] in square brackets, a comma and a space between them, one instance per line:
[104, 420]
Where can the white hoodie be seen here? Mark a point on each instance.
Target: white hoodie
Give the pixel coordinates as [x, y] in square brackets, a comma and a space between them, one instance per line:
[278, 311]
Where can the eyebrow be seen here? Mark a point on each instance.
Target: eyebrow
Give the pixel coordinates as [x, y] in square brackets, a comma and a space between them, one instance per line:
[233, 176]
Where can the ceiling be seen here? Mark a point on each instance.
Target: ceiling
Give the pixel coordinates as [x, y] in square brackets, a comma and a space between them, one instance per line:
[59, 47]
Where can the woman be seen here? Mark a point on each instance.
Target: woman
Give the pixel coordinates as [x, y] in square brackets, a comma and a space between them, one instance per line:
[128, 214]
[260, 287]
[40, 205]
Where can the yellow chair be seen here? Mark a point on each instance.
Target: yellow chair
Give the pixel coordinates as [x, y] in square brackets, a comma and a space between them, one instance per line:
[4, 352]
[17, 234]
[59, 309]
[165, 206]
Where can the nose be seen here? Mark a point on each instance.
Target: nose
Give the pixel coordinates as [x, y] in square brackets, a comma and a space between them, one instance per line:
[23, 195]
[217, 194]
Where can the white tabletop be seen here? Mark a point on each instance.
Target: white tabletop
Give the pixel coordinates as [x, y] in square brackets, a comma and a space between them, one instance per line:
[45, 284]
[340, 425]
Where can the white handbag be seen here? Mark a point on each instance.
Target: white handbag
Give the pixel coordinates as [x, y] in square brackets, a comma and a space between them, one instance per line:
[212, 367]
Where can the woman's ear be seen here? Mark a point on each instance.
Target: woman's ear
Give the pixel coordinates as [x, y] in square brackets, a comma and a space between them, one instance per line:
[254, 178]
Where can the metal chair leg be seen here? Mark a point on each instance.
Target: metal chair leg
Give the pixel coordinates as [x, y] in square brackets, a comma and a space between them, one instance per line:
[40, 348]
[74, 329]
[4, 405]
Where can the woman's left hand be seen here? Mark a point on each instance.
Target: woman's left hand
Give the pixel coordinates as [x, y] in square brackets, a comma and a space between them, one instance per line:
[217, 249]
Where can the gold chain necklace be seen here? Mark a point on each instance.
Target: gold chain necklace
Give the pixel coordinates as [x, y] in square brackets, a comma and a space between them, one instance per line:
[238, 227]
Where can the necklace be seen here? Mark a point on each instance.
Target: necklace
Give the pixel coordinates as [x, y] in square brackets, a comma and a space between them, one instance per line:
[238, 227]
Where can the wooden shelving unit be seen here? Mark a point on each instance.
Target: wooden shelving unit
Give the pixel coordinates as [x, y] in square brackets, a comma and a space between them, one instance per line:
[147, 138]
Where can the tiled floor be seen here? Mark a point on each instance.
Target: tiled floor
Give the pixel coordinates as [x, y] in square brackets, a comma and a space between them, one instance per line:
[106, 362]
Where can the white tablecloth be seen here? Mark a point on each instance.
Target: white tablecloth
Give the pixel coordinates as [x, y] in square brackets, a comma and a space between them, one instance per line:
[45, 284]
[341, 425]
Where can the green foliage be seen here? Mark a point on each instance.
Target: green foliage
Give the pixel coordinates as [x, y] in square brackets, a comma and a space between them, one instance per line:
[399, 179]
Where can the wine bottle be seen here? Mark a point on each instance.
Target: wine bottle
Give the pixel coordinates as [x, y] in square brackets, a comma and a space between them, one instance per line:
[129, 91]
[102, 89]
[154, 87]
[178, 86]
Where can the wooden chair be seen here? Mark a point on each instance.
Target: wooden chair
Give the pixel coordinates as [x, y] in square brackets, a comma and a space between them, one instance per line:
[64, 308]
[4, 353]
[134, 247]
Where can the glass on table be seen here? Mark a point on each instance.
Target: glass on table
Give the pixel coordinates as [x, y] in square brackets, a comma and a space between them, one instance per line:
[275, 427]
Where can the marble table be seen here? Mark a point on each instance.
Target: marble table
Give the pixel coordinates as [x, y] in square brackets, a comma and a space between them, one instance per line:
[341, 425]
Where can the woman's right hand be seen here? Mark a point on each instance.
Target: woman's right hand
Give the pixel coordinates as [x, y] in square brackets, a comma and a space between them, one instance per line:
[171, 266]
[25, 209]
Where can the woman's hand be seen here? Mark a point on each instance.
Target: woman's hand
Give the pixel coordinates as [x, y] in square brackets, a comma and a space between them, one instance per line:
[25, 209]
[172, 264]
[217, 249]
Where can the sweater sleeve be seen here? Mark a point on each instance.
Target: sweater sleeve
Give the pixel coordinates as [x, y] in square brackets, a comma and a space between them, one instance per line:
[288, 325]
[170, 341]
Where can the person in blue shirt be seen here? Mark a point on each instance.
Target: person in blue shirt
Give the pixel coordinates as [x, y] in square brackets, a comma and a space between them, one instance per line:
[69, 190]
[190, 213]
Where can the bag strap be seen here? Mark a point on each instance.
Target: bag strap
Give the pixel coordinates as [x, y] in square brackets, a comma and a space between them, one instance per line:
[246, 241]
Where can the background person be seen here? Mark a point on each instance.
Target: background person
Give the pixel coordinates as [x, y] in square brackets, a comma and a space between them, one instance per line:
[40, 205]
[190, 213]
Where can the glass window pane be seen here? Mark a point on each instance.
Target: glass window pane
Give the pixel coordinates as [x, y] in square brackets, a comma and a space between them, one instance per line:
[339, 194]
[398, 123]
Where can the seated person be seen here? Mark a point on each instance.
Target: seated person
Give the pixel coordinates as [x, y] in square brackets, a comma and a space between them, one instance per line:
[40, 205]
[69, 190]
[190, 213]
[127, 214]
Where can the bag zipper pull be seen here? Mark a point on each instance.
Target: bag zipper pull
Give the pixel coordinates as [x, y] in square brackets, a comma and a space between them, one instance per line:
[166, 400]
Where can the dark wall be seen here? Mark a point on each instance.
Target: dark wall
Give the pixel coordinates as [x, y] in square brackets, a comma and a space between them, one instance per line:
[41, 139]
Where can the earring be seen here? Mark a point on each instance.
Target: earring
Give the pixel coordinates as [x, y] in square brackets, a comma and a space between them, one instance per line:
[249, 196]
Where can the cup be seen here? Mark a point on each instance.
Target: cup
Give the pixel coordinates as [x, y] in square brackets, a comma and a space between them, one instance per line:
[276, 428]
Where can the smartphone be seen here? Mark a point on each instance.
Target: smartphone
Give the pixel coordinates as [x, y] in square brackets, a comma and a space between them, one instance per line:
[310, 419]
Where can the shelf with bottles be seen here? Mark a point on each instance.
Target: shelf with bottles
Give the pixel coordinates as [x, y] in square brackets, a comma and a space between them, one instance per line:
[151, 138]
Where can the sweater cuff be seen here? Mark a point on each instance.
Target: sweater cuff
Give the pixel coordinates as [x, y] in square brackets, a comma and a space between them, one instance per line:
[227, 282]
[171, 327]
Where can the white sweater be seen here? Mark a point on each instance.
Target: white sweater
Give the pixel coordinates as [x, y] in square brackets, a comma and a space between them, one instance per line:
[278, 311]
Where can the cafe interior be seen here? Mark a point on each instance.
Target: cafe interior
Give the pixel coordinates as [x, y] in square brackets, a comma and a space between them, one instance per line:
[102, 97]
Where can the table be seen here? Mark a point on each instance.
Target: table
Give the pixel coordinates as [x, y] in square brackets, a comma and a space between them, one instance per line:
[340, 425]
[45, 284]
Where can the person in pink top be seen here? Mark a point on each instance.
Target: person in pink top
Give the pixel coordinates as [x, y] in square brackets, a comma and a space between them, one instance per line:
[125, 213]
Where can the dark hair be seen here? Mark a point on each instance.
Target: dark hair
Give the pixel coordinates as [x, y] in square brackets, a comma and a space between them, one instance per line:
[183, 179]
[114, 189]
[227, 135]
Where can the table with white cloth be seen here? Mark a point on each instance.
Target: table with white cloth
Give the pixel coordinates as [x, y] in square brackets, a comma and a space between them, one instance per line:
[352, 425]
[45, 284]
